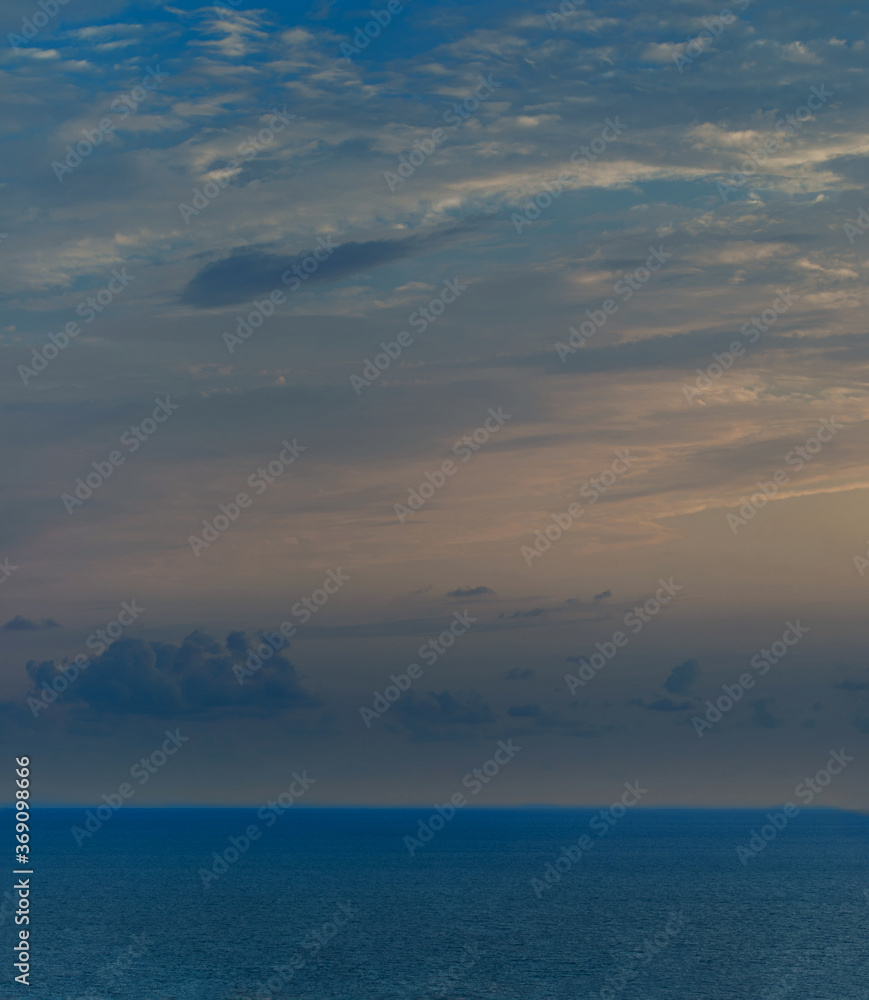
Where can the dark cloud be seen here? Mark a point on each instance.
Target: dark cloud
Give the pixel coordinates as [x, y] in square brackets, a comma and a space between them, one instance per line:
[251, 271]
[533, 613]
[603, 595]
[668, 705]
[682, 678]
[196, 677]
[762, 714]
[470, 592]
[248, 272]
[440, 715]
[518, 674]
[21, 624]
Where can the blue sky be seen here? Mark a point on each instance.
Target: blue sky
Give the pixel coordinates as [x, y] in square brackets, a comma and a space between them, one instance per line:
[255, 142]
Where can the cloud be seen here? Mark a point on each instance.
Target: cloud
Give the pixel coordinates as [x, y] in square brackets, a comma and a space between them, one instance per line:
[533, 613]
[248, 271]
[470, 592]
[439, 715]
[668, 705]
[682, 678]
[603, 595]
[196, 677]
[762, 714]
[21, 624]
[518, 674]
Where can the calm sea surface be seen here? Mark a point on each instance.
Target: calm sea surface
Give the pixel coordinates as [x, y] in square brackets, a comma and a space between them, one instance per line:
[329, 903]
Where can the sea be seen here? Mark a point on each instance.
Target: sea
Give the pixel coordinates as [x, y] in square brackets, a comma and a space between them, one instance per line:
[484, 904]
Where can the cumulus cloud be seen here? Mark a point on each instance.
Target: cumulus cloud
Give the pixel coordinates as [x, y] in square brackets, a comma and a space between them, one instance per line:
[682, 678]
[195, 678]
[763, 714]
[21, 624]
[470, 592]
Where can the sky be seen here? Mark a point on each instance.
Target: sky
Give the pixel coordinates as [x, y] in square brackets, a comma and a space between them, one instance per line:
[512, 357]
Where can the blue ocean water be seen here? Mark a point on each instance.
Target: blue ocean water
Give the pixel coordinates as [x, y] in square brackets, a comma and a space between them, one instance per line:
[659, 908]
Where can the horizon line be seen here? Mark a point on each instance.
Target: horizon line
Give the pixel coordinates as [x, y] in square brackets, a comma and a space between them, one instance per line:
[477, 808]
